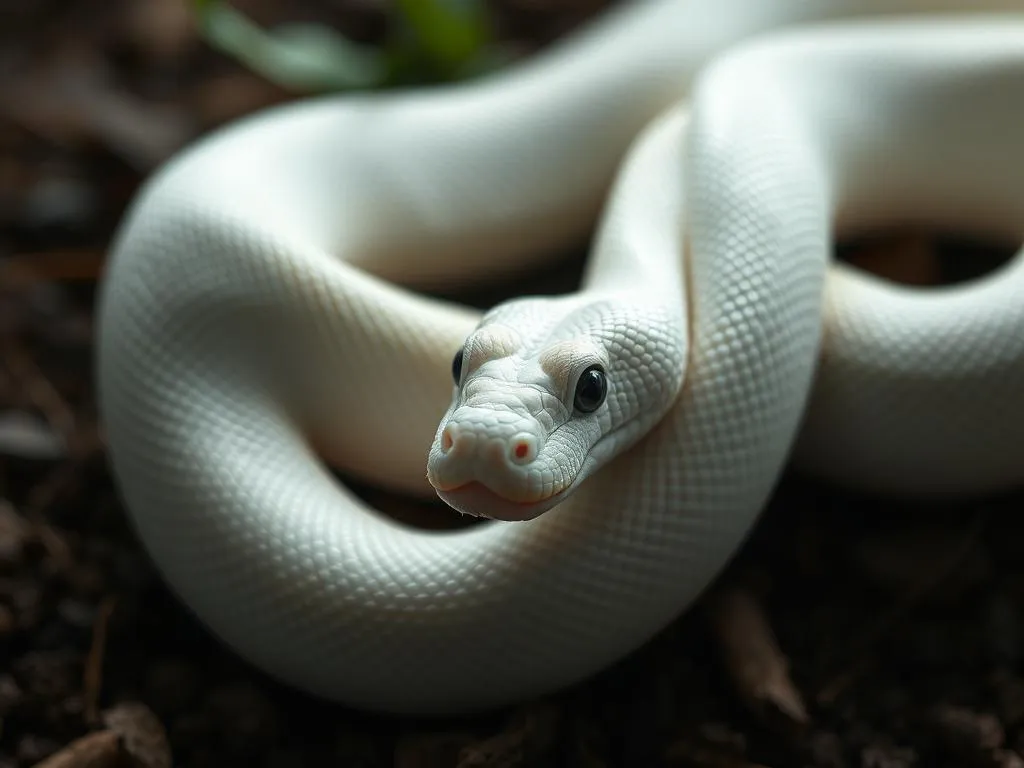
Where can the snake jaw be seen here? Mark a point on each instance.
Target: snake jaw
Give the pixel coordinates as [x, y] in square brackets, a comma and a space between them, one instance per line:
[477, 500]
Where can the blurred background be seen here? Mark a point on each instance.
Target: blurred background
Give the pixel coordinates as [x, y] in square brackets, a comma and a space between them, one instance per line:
[849, 631]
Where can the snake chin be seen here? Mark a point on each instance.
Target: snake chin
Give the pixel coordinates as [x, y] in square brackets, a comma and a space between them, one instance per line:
[476, 499]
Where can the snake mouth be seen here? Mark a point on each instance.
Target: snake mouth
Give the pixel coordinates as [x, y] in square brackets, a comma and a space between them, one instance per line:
[478, 500]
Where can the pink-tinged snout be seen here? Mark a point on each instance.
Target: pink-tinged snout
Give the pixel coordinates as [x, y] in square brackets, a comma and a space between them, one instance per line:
[492, 452]
[460, 442]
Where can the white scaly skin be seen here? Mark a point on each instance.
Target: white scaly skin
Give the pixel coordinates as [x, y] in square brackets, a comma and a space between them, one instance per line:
[252, 322]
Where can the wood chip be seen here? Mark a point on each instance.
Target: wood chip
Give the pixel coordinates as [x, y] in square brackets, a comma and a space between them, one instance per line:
[753, 659]
[25, 436]
[93, 676]
[422, 750]
[100, 749]
[1006, 758]
[142, 734]
[527, 740]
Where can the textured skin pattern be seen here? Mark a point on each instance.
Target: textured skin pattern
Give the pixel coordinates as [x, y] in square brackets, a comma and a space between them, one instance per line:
[252, 323]
[517, 391]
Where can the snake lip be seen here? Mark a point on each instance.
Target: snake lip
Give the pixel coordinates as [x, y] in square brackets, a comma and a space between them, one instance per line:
[476, 499]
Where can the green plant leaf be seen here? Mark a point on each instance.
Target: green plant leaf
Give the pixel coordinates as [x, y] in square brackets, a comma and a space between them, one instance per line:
[306, 57]
[435, 40]
[450, 32]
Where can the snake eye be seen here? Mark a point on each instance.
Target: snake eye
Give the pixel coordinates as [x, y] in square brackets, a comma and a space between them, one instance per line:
[457, 367]
[591, 390]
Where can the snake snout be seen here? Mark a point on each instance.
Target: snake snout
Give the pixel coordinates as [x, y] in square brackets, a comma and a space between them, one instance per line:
[497, 449]
[520, 450]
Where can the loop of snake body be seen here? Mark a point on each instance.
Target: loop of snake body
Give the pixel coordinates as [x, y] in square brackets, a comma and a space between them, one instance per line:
[264, 316]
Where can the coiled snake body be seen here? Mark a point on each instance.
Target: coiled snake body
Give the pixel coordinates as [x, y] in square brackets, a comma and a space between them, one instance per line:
[260, 315]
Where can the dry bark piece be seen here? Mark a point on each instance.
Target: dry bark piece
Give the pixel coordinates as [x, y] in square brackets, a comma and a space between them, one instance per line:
[25, 436]
[1006, 758]
[99, 749]
[525, 741]
[93, 676]
[716, 745]
[142, 734]
[753, 658]
[423, 750]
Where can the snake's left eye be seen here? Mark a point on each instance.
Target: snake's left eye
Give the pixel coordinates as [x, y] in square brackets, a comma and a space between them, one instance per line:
[591, 390]
[457, 367]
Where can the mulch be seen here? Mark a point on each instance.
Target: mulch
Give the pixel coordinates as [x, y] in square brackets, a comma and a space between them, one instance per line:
[849, 631]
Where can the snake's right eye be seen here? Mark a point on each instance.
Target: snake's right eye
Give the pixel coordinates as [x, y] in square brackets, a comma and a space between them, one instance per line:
[457, 367]
[591, 390]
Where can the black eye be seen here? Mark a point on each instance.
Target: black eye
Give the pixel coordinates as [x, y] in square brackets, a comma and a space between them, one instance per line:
[591, 390]
[457, 367]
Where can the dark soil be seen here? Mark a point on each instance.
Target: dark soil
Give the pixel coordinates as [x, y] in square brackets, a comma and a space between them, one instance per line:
[849, 631]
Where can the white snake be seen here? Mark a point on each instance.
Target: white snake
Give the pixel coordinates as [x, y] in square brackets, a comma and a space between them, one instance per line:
[252, 326]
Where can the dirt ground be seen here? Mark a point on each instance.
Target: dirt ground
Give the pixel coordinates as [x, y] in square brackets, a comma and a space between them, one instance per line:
[849, 631]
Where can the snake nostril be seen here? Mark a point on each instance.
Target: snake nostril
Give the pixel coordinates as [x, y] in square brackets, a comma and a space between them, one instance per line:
[446, 440]
[523, 449]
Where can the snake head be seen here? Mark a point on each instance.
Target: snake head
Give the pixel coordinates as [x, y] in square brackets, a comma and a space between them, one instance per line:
[547, 391]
